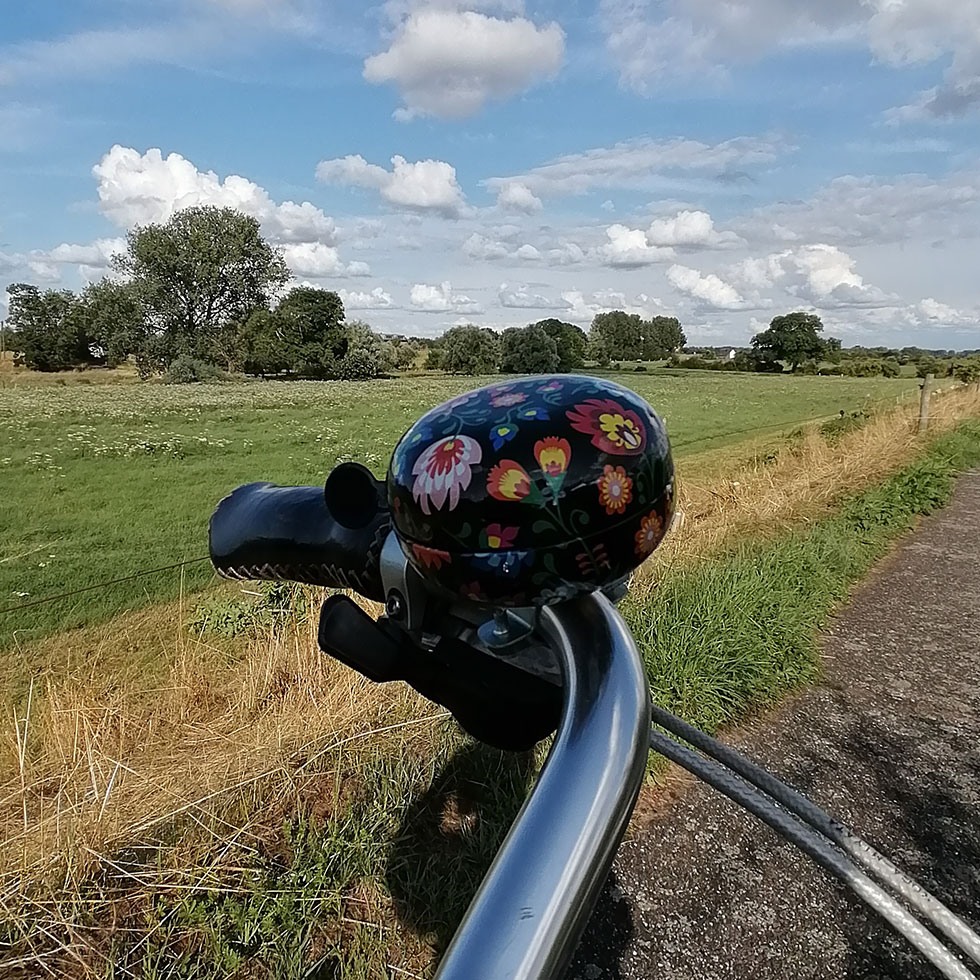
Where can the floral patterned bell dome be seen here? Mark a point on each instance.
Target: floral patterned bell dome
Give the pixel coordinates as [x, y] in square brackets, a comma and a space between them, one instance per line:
[529, 492]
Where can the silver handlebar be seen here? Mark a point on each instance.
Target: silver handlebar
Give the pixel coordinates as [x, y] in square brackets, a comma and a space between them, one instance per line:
[533, 903]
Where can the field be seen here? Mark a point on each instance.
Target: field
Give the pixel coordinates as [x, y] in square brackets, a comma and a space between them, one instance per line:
[100, 482]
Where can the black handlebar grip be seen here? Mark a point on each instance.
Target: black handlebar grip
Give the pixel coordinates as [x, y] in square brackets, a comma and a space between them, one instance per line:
[330, 535]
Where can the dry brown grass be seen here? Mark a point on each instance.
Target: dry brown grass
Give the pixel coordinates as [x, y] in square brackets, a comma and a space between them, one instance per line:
[799, 482]
[95, 757]
[126, 728]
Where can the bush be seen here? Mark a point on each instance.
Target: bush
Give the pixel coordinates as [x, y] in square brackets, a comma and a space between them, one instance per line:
[183, 370]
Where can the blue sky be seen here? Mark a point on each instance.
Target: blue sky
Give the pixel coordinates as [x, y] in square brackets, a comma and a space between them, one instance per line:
[502, 161]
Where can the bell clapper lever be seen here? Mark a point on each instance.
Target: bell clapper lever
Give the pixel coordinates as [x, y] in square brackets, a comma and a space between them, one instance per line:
[508, 525]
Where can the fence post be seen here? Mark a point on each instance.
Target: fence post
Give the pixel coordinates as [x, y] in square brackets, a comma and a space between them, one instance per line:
[924, 402]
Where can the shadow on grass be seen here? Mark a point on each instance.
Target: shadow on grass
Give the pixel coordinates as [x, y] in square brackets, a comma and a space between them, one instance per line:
[449, 838]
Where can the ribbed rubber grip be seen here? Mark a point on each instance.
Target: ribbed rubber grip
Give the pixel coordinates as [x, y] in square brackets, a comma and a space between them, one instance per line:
[264, 531]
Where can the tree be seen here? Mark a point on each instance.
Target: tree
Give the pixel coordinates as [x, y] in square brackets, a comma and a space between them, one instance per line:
[967, 372]
[113, 315]
[367, 355]
[570, 341]
[202, 270]
[662, 335]
[598, 350]
[309, 324]
[622, 333]
[792, 337]
[528, 350]
[469, 349]
[46, 329]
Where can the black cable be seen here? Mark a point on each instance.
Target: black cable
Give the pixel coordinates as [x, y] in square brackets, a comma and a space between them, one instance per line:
[102, 585]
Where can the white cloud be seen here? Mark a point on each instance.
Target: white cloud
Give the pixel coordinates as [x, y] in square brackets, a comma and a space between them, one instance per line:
[376, 299]
[709, 289]
[688, 228]
[820, 274]
[824, 275]
[921, 31]
[449, 62]
[520, 297]
[319, 261]
[488, 249]
[136, 189]
[854, 210]
[441, 299]
[423, 186]
[658, 43]
[643, 164]
[582, 307]
[98, 255]
[628, 248]
[514, 195]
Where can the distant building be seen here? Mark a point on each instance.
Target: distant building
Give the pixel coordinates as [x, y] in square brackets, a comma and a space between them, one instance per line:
[731, 355]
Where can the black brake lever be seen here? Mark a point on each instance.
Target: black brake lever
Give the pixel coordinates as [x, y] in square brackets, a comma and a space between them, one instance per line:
[493, 701]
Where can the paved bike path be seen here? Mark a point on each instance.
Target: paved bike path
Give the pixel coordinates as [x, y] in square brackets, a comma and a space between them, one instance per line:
[889, 741]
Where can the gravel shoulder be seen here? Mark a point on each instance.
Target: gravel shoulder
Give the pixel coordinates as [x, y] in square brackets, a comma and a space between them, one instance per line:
[889, 741]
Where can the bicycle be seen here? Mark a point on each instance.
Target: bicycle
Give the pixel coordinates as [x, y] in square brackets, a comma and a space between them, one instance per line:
[510, 522]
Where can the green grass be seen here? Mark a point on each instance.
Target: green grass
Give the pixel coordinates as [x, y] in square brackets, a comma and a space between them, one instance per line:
[98, 482]
[720, 641]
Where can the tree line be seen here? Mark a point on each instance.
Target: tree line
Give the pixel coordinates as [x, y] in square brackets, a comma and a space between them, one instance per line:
[204, 293]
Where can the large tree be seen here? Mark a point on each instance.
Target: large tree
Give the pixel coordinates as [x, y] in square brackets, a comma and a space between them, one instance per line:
[113, 314]
[662, 336]
[469, 349]
[791, 338]
[621, 332]
[310, 328]
[202, 270]
[46, 329]
[570, 340]
[528, 350]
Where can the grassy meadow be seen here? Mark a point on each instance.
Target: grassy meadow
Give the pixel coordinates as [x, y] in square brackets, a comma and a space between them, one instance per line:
[101, 481]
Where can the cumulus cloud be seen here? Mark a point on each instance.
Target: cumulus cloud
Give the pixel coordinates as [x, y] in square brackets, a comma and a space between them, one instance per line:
[97, 255]
[514, 195]
[319, 261]
[520, 297]
[820, 274]
[644, 164]
[441, 299]
[628, 248]
[708, 289]
[450, 63]
[582, 307]
[490, 249]
[376, 299]
[422, 186]
[689, 228]
[138, 188]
